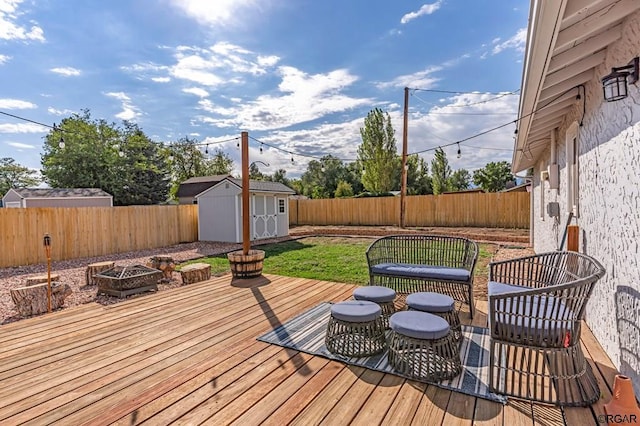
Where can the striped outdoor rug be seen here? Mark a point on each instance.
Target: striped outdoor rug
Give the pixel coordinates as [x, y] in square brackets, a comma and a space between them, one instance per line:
[306, 333]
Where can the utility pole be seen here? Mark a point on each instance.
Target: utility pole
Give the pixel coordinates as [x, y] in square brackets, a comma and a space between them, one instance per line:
[403, 183]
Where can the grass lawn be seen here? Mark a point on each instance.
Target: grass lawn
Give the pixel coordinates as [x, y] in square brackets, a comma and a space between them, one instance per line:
[337, 259]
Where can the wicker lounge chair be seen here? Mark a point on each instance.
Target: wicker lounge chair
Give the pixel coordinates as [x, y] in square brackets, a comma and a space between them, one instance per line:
[536, 304]
[424, 263]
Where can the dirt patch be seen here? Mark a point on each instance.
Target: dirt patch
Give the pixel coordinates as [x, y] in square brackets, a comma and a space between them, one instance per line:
[499, 235]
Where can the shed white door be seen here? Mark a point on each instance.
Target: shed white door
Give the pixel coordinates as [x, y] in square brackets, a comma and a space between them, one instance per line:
[265, 221]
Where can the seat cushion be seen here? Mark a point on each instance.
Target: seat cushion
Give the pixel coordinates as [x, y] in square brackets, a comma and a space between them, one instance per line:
[419, 325]
[375, 293]
[530, 316]
[356, 311]
[422, 271]
[430, 302]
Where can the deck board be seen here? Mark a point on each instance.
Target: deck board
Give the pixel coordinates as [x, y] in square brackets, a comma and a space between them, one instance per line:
[190, 356]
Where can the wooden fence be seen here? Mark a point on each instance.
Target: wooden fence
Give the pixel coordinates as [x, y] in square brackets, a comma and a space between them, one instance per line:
[92, 231]
[487, 210]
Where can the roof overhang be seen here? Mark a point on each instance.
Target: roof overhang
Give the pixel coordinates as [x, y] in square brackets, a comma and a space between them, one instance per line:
[567, 42]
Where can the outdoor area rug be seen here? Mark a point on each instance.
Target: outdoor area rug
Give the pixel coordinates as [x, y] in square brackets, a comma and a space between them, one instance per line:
[306, 332]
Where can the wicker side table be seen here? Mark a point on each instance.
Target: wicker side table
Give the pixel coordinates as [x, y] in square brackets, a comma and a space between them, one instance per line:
[422, 347]
[355, 329]
[383, 296]
[438, 304]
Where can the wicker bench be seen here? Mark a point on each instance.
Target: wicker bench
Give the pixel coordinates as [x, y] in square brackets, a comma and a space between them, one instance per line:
[424, 263]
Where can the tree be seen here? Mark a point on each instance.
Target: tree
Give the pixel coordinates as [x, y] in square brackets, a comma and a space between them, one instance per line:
[343, 190]
[494, 176]
[460, 180]
[322, 177]
[378, 153]
[440, 172]
[13, 175]
[83, 152]
[220, 164]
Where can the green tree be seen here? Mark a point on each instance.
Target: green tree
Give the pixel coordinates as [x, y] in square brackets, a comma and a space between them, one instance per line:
[219, 164]
[83, 152]
[460, 180]
[378, 153]
[13, 175]
[440, 172]
[494, 176]
[343, 190]
[322, 177]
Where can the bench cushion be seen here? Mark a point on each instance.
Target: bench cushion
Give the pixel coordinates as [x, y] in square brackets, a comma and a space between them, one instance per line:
[419, 325]
[552, 317]
[422, 271]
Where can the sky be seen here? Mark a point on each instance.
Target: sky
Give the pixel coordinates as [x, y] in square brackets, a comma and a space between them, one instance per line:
[298, 75]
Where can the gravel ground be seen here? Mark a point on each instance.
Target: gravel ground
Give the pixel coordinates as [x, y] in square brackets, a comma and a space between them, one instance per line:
[72, 272]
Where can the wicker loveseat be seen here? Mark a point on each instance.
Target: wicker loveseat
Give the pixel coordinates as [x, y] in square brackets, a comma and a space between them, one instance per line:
[415, 263]
[536, 304]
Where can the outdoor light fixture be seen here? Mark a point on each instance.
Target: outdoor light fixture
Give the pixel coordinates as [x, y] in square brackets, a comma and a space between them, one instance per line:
[459, 152]
[614, 85]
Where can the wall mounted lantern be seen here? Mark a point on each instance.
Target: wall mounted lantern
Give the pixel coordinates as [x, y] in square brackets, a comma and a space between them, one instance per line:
[614, 85]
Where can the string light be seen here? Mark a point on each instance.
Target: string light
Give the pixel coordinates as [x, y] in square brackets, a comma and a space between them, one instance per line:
[261, 148]
[206, 149]
[459, 152]
[61, 143]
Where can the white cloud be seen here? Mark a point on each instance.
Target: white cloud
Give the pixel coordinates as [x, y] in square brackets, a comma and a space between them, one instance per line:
[221, 63]
[426, 9]
[11, 29]
[66, 71]
[517, 42]
[161, 79]
[54, 111]
[22, 128]
[16, 104]
[225, 12]
[4, 59]
[422, 79]
[21, 145]
[129, 111]
[196, 91]
[303, 98]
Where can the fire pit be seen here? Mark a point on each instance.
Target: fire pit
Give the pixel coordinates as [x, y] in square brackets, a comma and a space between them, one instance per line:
[122, 281]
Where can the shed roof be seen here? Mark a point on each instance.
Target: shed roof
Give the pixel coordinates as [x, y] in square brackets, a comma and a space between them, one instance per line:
[195, 185]
[257, 186]
[60, 192]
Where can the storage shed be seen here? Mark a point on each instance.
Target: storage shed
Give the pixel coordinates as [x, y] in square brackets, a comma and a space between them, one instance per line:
[220, 211]
[57, 197]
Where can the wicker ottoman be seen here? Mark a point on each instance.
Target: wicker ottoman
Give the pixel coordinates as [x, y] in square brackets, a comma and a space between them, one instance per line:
[440, 305]
[422, 347]
[383, 296]
[355, 329]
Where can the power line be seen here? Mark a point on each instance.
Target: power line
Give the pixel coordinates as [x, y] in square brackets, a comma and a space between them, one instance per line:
[451, 92]
[60, 129]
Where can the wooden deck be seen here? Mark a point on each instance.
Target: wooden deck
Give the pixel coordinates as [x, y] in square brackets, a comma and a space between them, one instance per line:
[190, 356]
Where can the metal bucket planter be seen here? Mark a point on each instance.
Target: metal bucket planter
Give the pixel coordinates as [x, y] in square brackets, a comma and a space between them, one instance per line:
[246, 265]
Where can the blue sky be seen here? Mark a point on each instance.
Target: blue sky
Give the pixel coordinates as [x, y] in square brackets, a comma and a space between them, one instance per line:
[299, 75]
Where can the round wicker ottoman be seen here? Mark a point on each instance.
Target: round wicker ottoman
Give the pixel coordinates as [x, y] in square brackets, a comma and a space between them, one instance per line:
[422, 347]
[383, 296]
[440, 305]
[355, 329]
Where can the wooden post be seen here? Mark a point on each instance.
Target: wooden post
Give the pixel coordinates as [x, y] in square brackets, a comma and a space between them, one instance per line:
[573, 238]
[403, 182]
[47, 249]
[246, 243]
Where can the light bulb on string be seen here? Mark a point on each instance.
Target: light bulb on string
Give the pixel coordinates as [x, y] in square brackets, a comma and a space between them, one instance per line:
[61, 143]
[459, 151]
[260, 148]
[238, 144]
[292, 160]
[206, 149]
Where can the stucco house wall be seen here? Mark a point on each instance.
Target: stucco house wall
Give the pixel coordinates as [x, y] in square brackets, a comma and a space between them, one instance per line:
[609, 205]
